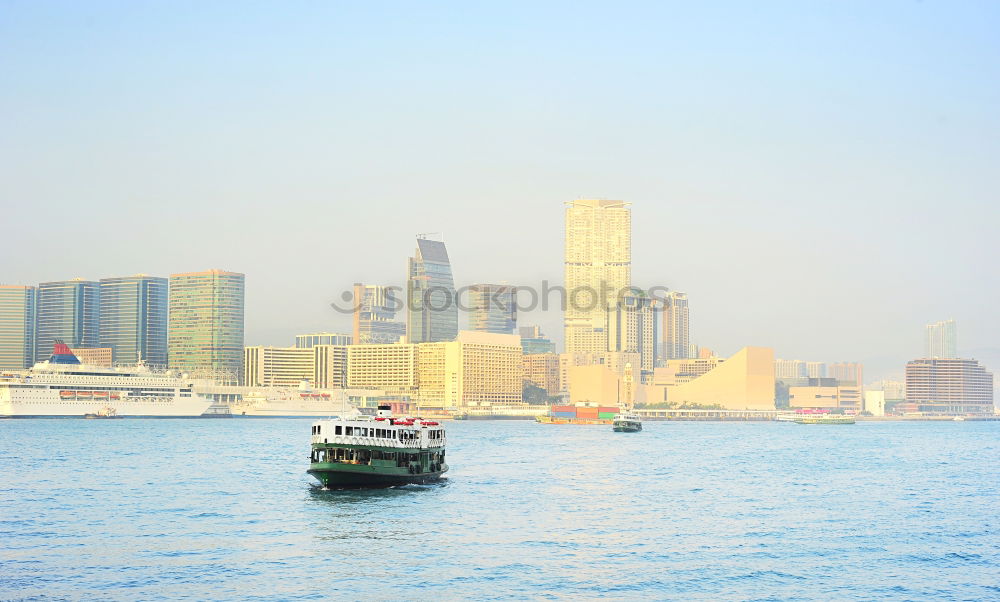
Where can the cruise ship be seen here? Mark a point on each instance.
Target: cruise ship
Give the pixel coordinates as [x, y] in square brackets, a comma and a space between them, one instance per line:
[302, 402]
[63, 387]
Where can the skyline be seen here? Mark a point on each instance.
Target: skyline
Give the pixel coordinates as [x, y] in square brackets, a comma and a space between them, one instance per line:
[882, 148]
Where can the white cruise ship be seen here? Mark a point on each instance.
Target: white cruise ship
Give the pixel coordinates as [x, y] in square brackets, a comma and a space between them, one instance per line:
[302, 402]
[62, 386]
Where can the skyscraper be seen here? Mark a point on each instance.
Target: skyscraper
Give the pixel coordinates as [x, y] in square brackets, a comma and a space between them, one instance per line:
[493, 308]
[68, 311]
[598, 268]
[134, 319]
[206, 323]
[941, 339]
[431, 312]
[17, 326]
[632, 328]
[676, 326]
[375, 310]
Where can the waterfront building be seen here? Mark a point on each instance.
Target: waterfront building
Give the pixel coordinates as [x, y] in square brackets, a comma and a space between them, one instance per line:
[68, 311]
[330, 366]
[493, 308]
[826, 397]
[375, 310]
[265, 366]
[743, 381]
[306, 341]
[941, 339]
[133, 319]
[542, 370]
[632, 328]
[816, 370]
[432, 309]
[533, 341]
[616, 361]
[597, 267]
[947, 386]
[477, 369]
[388, 367]
[847, 373]
[676, 327]
[680, 371]
[206, 324]
[95, 356]
[18, 305]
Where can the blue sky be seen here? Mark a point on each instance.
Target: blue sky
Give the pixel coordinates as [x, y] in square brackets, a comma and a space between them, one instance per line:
[820, 177]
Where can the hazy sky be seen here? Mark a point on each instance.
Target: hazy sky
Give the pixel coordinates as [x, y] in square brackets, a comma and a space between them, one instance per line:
[820, 177]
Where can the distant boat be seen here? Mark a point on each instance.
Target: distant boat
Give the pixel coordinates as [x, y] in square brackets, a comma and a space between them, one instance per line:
[627, 422]
[958, 419]
[825, 419]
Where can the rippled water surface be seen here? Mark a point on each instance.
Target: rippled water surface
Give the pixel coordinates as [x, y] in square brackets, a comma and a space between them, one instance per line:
[223, 509]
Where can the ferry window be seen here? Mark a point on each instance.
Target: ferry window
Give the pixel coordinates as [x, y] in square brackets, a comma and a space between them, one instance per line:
[337, 430]
[348, 430]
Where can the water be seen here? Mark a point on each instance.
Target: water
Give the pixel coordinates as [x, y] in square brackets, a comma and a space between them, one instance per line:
[222, 509]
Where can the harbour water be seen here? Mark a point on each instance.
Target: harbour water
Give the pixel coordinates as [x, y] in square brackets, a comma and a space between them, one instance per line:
[222, 509]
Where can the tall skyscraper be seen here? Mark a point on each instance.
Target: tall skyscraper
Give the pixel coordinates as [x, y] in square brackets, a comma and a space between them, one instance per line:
[846, 373]
[17, 326]
[134, 319]
[375, 310]
[493, 308]
[632, 328]
[206, 323]
[68, 311]
[941, 339]
[676, 326]
[598, 268]
[533, 341]
[432, 311]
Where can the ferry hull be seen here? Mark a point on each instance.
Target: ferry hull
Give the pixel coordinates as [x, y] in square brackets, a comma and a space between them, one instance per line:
[618, 428]
[360, 477]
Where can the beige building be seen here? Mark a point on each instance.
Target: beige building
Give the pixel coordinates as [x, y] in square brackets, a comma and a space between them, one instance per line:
[744, 381]
[330, 366]
[389, 367]
[613, 360]
[94, 356]
[875, 402]
[277, 366]
[846, 398]
[676, 326]
[542, 370]
[680, 371]
[597, 268]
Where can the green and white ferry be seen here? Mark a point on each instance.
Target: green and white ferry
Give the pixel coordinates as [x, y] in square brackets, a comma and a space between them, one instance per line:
[376, 451]
[626, 422]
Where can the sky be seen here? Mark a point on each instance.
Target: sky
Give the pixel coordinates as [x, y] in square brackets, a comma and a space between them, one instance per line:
[819, 177]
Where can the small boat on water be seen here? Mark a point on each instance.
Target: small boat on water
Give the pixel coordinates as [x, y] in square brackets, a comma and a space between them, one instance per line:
[626, 422]
[105, 412]
[825, 419]
[376, 451]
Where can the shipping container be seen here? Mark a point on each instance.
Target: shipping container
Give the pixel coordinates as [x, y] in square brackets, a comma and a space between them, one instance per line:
[564, 409]
[606, 415]
[586, 412]
[604, 409]
[564, 414]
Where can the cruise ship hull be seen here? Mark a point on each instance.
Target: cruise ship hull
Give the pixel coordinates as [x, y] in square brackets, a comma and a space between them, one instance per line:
[180, 407]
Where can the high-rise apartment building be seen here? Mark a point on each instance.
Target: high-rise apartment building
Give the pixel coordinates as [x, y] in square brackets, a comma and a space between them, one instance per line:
[941, 339]
[633, 328]
[846, 373]
[676, 326]
[375, 310]
[68, 311]
[133, 319]
[597, 268]
[330, 366]
[543, 370]
[790, 369]
[305, 341]
[493, 308]
[206, 323]
[947, 386]
[17, 326]
[816, 370]
[432, 309]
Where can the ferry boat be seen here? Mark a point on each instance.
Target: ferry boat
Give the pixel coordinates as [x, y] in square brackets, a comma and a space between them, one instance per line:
[376, 451]
[627, 422]
[62, 386]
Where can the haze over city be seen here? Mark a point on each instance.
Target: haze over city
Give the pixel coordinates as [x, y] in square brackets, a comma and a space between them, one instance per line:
[818, 179]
